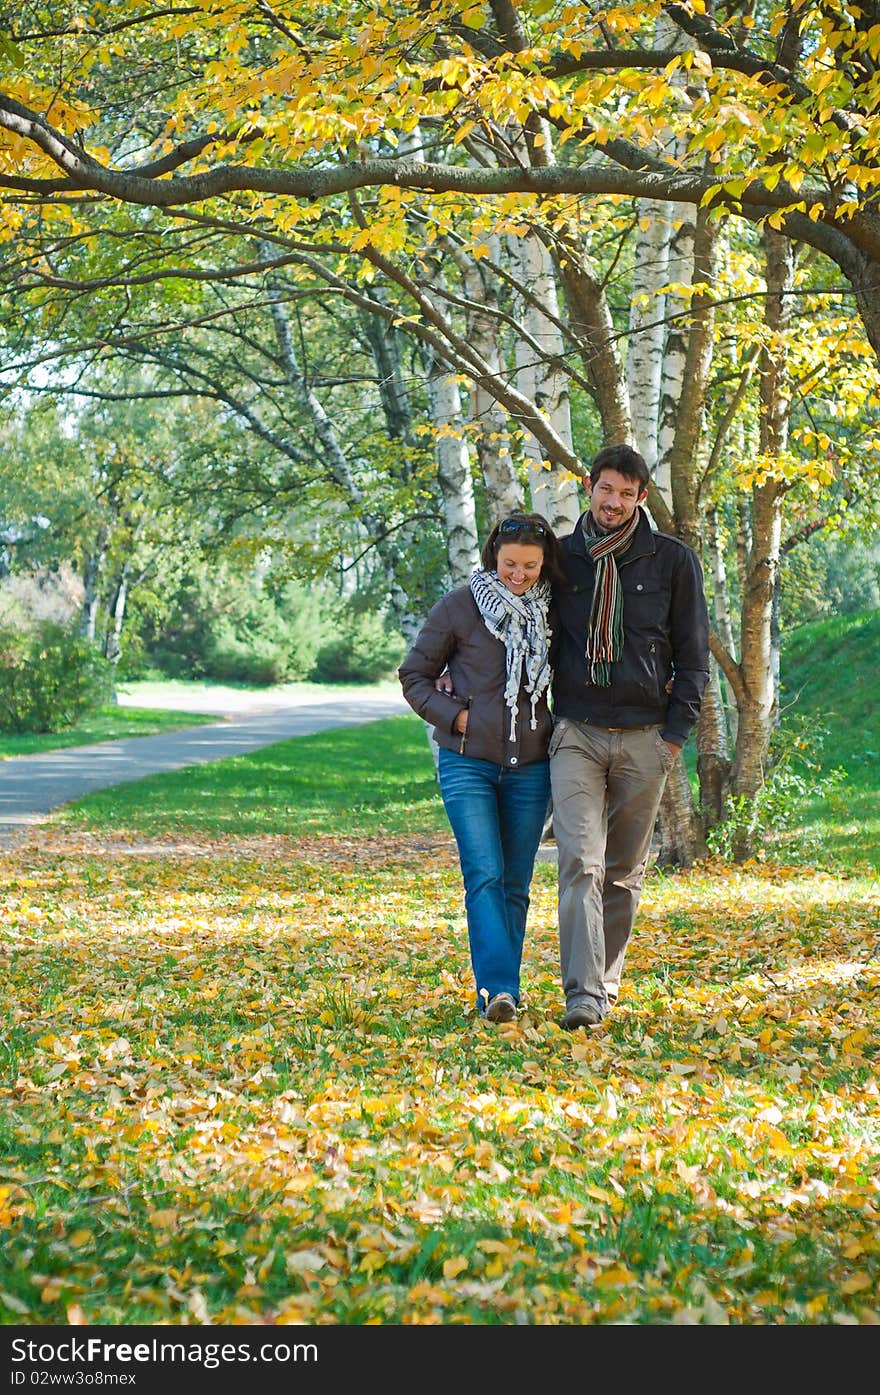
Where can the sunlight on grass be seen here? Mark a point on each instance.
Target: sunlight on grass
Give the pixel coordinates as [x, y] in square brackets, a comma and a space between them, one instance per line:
[108, 724]
[377, 778]
[220, 696]
[263, 1073]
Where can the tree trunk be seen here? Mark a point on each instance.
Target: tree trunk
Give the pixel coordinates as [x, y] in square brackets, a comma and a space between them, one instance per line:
[384, 342]
[681, 229]
[554, 493]
[680, 835]
[113, 642]
[589, 316]
[757, 717]
[865, 277]
[539, 378]
[644, 361]
[487, 418]
[680, 270]
[453, 469]
[713, 757]
[721, 606]
[684, 454]
[91, 578]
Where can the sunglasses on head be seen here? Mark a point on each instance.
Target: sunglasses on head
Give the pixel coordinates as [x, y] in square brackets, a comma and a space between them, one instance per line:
[512, 527]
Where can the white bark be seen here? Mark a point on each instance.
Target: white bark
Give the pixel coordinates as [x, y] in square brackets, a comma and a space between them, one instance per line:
[487, 418]
[453, 469]
[537, 376]
[451, 445]
[91, 579]
[644, 363]
[113, 643]
[679, 270]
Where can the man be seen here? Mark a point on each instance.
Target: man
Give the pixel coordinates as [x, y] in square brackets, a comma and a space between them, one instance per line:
[632, 663]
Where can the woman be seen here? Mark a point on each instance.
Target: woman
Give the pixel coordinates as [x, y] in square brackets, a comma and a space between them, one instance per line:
[492, 730]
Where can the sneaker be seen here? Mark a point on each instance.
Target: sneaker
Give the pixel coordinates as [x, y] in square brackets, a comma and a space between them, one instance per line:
[582, 1015]
[501, 1008]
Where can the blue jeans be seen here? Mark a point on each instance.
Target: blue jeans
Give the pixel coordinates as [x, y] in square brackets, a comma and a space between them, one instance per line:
[497, 816]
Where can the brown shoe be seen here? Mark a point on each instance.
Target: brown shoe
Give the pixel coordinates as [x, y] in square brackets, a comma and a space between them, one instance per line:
[582, 1015]
[501, 1008]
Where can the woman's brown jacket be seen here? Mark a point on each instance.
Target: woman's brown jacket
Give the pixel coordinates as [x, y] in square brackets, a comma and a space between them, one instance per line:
[455, 635]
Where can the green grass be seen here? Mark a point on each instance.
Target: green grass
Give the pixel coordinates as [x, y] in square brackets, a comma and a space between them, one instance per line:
[249, 1088]
[169, 692]
[107, 724]
[830, 672]
[377, 778]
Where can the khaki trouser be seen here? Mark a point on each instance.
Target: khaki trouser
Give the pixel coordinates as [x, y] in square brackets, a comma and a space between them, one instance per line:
[606, 789]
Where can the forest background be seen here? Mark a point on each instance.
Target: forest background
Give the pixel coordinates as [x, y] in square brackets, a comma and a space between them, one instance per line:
[295, 310]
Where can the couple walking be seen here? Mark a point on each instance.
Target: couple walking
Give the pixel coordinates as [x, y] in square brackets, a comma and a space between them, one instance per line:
[610, 625]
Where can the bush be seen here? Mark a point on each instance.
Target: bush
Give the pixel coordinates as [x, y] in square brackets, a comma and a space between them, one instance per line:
[234, 629]
[49, 679]
[363, 651]
[794, 777]
[234, 655]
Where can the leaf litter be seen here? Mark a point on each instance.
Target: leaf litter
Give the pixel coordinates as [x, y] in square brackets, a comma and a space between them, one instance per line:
[243, 1081]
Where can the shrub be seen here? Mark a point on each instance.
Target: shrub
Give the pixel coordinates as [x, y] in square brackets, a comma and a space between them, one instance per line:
[794, 776]
[260, 656]
[49, 679]
[234, 629]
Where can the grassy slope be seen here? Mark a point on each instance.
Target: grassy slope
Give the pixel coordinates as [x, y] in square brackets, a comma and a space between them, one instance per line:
[830, 671]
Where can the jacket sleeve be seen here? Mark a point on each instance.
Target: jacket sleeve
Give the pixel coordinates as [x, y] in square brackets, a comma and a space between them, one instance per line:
[690, 648]
[426, 660]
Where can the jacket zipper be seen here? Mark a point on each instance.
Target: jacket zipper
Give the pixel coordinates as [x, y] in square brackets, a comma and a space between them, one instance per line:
[467, 708]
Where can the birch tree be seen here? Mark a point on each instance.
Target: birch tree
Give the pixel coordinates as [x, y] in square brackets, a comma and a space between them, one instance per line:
[338, 463]
[488, 421]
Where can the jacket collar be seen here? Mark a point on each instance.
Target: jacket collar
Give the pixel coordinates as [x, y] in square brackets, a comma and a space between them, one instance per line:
[643, 543]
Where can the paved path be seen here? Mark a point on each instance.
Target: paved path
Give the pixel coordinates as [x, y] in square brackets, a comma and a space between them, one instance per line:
[32, 786]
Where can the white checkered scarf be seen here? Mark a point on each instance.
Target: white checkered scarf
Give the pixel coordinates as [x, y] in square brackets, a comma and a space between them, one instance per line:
[520, 622]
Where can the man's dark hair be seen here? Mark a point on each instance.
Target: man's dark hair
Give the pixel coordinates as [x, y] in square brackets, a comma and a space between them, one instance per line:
[624, 460]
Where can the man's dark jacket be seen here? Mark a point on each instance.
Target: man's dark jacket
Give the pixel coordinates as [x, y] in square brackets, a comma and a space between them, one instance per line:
[666, 636]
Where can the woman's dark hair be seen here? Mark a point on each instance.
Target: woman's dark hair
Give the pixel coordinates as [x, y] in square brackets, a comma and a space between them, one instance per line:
[526, 528]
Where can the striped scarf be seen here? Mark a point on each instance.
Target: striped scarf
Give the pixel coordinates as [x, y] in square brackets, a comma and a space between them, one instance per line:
[605, 635]
[520, 622]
